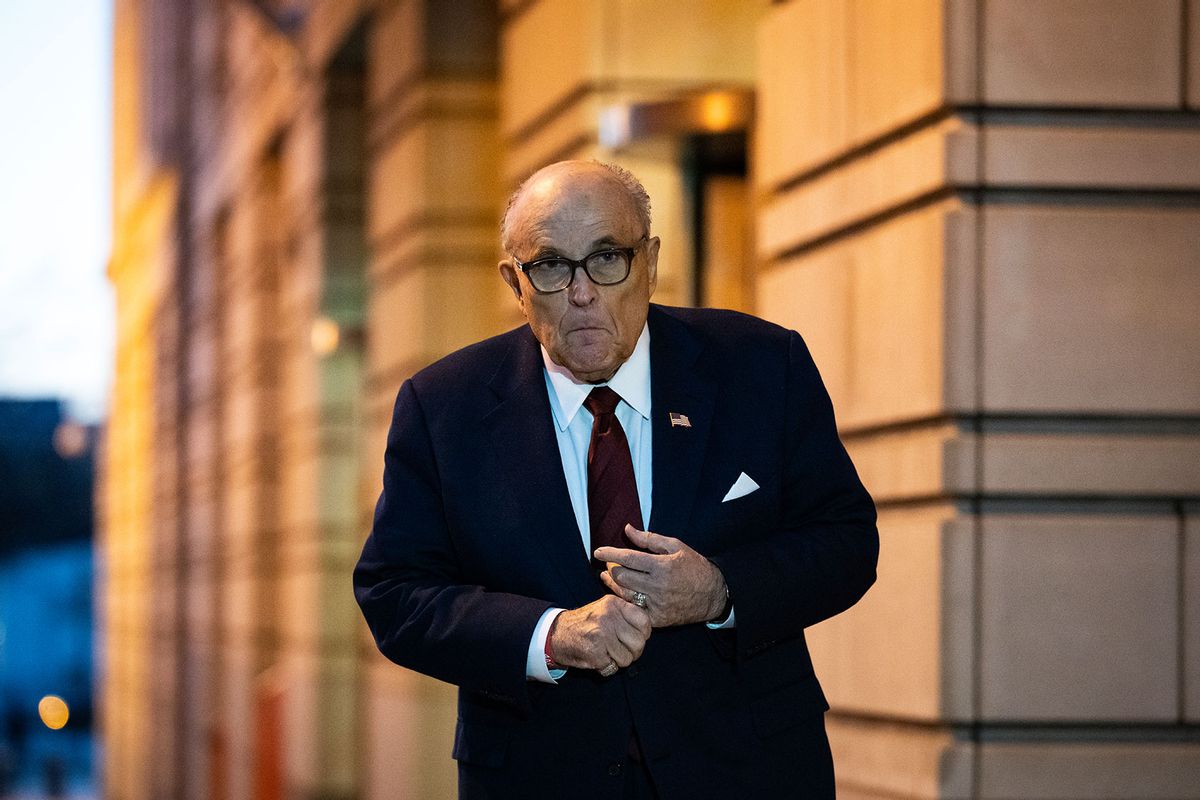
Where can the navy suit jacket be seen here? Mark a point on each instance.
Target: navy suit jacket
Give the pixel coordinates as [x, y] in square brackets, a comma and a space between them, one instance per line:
[474, 538]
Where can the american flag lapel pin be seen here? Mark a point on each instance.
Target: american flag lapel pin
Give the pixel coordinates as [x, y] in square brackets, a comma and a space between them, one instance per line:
[679, 420]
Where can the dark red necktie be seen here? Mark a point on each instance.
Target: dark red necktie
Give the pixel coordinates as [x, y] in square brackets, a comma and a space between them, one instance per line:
[612, 488]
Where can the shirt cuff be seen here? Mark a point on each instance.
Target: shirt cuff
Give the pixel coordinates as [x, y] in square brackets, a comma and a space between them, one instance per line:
[535, 659]
[729, 622]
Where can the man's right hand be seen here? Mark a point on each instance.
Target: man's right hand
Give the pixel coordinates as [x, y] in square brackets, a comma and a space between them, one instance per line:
[607, 631]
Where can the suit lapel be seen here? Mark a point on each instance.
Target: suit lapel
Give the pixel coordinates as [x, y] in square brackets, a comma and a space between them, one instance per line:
[677, 385]
[522, 435]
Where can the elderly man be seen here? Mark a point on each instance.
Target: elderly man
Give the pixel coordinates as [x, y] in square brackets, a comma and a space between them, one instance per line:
[611, 527]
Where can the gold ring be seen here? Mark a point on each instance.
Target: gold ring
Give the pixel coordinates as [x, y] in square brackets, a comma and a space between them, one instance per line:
[609, 671]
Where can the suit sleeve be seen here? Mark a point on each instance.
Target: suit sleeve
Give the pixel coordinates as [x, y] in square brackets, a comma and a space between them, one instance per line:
[823, 557]
[408, 585]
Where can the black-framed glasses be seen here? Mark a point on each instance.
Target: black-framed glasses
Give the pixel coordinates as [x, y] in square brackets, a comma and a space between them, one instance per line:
[605, 268]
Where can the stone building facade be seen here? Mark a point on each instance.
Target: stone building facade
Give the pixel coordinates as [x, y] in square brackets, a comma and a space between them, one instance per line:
[983, 216]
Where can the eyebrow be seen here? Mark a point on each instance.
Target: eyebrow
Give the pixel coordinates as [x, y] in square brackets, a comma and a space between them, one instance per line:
[603, 243]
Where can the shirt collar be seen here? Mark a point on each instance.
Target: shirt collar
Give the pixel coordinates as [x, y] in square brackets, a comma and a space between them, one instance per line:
[631, 381]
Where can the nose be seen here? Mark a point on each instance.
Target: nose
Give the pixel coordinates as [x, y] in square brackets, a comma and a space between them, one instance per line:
[581, 292]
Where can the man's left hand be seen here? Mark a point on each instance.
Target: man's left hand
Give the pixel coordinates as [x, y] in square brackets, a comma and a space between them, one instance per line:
[681, 586]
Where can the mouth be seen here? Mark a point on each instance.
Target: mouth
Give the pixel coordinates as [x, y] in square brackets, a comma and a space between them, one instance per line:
[588, 332]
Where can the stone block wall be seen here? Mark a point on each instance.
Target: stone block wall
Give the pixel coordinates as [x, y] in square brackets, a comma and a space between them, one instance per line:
[987, 230]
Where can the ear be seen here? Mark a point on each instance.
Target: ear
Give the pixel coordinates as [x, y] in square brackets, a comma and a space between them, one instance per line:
[509, 275]
[652, 263]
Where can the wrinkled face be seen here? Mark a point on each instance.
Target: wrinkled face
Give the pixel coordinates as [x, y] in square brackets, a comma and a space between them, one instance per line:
[573, 210]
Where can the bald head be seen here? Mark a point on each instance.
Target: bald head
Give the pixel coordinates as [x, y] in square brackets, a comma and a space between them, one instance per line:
[547, 177]
[569, 214]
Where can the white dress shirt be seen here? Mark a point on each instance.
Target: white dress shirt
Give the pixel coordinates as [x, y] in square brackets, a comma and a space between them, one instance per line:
[573, 430]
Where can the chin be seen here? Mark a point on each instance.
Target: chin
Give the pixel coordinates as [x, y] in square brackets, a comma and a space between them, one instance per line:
[593, 372]
[592, 369]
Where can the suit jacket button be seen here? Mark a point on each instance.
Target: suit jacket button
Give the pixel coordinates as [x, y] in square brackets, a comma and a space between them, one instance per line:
[631, 671]
[614, 768]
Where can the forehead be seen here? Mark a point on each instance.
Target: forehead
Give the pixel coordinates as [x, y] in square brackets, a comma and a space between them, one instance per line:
[573, 210]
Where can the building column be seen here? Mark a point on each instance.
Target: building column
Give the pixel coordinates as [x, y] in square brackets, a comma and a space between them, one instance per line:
[984, 218]
[432, 206]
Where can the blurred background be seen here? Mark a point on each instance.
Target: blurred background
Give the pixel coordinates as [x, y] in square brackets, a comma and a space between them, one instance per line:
[56, 366]
[229, 229]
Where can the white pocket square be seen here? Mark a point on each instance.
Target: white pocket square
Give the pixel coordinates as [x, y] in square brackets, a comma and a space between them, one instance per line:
[743, 486]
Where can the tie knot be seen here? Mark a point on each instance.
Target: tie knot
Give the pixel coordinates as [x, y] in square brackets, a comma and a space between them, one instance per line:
[602, 400]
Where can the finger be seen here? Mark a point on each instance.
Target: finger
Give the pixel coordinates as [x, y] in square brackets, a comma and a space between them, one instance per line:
[620, 654]
[634, 559]
[617, 555]
[633, 640]
[632, 633]
[635, 581]
[655, 543]
[616, 588]
[637, 617]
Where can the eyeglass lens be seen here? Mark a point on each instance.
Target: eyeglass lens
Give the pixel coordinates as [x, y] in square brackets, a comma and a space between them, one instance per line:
[605, 268]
